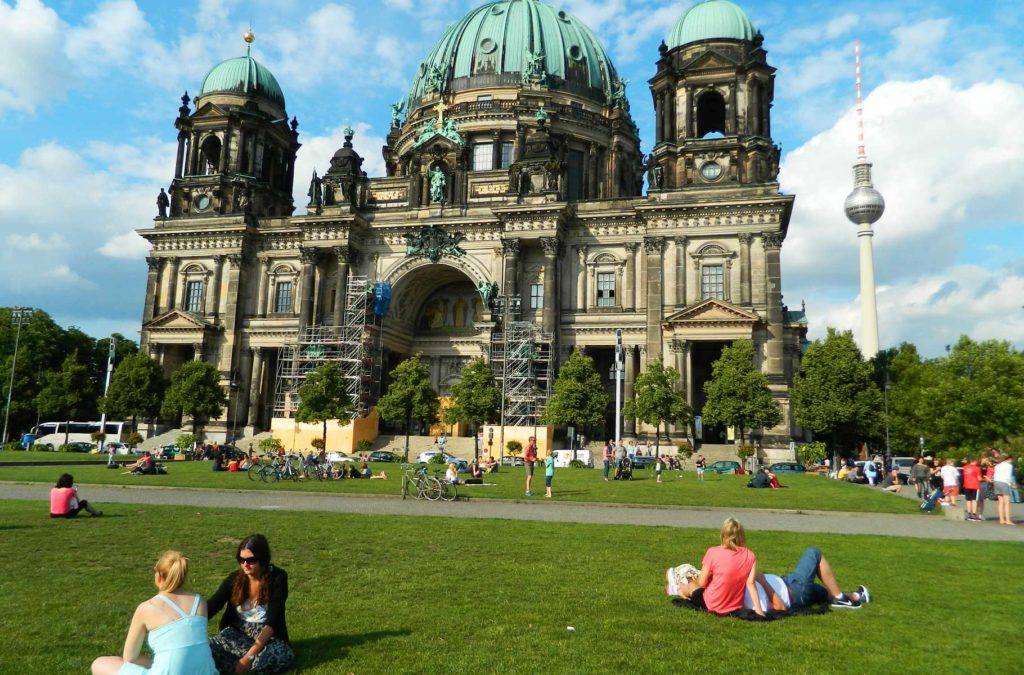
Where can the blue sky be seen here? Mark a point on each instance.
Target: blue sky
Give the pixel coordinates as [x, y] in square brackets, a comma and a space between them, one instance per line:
[89, 92]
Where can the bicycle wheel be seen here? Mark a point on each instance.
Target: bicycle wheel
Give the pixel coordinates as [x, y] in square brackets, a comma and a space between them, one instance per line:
[449, 491]
[272, 475]
[254, 472]
[433, 489]
[405, 487]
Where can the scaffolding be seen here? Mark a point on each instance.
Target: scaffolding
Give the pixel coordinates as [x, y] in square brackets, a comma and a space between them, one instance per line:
[522, 361]
[354, 346]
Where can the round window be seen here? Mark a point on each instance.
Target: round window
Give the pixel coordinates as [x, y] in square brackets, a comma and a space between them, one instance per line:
[497, 9]
[202, 201]
[487, 46]
[575, 53]
[711, 170]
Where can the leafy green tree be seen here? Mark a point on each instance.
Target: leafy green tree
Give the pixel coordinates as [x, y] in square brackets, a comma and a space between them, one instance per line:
[65, 392]
[911, 381]
[579, 398]
[738, 394]
[978, 398]
[655, 400]
[410, 397]
[195, 391]
[324, 397]
[835, 392]
[136, 389]
[475, 398]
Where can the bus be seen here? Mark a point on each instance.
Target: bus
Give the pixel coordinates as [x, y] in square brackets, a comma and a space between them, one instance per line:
[51, 435]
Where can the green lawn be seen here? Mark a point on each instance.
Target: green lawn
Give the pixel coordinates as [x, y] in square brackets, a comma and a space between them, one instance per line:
[7, 456]
[410, 595]
[810, 492]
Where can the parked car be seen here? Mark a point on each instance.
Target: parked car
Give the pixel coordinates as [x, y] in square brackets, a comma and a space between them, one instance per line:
[79, 446]
[231, 452]
[642, 461]
[340, 457]
[425, 457]
[903, 465]
[383, 456]
[724, 466]
[512, 460]
[169, 451]
[115, 447]
[787, 467]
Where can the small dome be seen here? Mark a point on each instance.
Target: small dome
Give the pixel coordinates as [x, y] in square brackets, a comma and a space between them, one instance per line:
[711, 20]
[493, 43]
[243, 75]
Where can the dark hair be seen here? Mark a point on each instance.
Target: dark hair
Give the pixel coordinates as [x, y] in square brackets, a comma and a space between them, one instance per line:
[65, 481]
[258, 545]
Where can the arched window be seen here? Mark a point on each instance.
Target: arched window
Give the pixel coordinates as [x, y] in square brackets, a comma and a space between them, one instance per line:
[713, 263]
[211, 155]
[710, 114]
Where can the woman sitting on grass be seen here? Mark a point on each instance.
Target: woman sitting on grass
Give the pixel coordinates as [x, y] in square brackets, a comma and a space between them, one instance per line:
[253, 633]
[176, 624]
[64, 501]
[726, 572]
[452, 475]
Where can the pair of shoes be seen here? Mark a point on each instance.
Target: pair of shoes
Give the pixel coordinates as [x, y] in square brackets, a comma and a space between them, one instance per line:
[529, 494]
[864, 594]
[844, 602]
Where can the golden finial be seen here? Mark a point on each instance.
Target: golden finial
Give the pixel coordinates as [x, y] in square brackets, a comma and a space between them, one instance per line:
[249, 39]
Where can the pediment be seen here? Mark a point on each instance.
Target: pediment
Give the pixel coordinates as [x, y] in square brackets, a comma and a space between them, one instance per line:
[177, 320]
[712, 312]
[438, 139]
[711, 60]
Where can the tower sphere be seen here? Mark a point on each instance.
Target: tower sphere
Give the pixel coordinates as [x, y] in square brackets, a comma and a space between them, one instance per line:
[864, 205]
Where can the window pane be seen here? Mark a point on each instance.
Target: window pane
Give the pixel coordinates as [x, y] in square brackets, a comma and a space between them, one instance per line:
[283, 297]
[606, 289]
[712, 282]
[194, 296]
[575, 176]
[506, 154]
[536, 296]
[483, 156]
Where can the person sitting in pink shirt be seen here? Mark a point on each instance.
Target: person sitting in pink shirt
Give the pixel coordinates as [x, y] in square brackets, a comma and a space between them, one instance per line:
[64, 501]
[726, 572]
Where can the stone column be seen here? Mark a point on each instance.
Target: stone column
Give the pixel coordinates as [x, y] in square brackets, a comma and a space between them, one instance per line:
[172, 283]
[581, 279]
[255, 386]
[264, 291]
[179, 159]
[305, 294]
[629, 423]
[629, 292]
[510, 250]
[653, 247]
[234, 261]
[773, 287]
[681, 300]
[730, 287]
[549, 315]
[744, 238]
[346, 256]
[213, 301]
[319, 295]
[151, 307]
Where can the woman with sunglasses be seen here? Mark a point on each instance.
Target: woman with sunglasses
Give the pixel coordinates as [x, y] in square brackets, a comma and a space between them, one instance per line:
[253, 634]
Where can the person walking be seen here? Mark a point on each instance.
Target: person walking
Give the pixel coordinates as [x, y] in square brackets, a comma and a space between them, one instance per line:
[549, 473]
[659, 465]
[529, 459]
[919, 477]
[701, 463]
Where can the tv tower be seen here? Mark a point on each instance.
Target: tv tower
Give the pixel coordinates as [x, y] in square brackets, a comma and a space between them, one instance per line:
[864, 206]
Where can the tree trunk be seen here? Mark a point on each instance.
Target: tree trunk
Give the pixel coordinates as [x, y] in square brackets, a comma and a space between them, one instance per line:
[325, 435]
[408, 426]
[67, 431]
[657, 439]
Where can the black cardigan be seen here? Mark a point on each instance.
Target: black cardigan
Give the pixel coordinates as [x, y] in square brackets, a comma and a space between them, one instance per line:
[275, 605]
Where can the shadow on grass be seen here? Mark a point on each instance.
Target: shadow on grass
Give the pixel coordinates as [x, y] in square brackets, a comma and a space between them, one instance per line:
[14, 527]
[329, 648]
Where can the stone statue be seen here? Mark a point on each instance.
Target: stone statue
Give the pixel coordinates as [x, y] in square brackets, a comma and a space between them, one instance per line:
[533, 68]
[434, 78]
[488, 292]
[542, 114]
[438, 181]
[619, 93]
[427, 132]
[315, 193]
[162, 202]
[396, 111]
[450, 130]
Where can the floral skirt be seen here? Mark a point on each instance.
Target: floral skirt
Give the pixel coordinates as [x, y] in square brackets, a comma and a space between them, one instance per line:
[230, 644]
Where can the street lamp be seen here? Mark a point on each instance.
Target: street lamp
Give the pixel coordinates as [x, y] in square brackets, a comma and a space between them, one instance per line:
[236, 386]
[20, 316]
[111, 353]
[618, 367]
[885, 403]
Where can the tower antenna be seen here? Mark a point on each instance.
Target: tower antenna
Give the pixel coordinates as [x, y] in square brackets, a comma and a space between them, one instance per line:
[861, 153]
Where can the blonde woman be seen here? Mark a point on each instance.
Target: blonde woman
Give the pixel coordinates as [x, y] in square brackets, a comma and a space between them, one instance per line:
[175, 622]
[726, 572]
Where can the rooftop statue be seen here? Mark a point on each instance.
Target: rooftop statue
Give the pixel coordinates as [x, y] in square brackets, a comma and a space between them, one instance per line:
[438, 181]
[533, 68]
[619, 99]
[396, 112]
[434, 78]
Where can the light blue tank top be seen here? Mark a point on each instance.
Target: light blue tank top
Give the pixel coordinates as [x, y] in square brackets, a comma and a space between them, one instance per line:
[180, 646]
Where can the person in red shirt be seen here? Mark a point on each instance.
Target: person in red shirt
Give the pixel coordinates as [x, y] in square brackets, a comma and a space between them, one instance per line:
[530, 458]
[972, 483]
[726, 572]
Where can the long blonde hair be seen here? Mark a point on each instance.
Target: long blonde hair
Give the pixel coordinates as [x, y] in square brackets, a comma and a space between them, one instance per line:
[173, 569]
[732, 534]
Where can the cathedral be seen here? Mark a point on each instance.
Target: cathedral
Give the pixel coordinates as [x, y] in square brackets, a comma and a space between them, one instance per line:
[516, 198]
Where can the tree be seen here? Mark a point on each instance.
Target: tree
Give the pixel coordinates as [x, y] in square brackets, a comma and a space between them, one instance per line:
[738, 394]
[655, 400]
[835, 393]
[65, 393]
[410, 397]
[579, 398]
[136, 389]
[475, 399]
[195, 391]
[324, 397]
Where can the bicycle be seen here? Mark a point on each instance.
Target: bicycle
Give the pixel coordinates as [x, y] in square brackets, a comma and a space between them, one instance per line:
[426, 487]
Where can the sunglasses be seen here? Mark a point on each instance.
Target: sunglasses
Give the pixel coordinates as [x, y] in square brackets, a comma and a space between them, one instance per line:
[248, 561]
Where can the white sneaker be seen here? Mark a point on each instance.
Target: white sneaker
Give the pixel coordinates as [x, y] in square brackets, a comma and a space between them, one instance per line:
[672, 587]
[864, 594]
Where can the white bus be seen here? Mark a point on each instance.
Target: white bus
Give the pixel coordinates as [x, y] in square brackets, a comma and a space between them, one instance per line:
[51, 435]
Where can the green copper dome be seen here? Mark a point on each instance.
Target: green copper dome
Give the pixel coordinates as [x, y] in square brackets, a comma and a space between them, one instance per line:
[495, 43]
[243, 75]
[711, 20]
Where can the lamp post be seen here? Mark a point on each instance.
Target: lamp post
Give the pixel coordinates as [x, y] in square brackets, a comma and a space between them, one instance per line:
[885, 403]
[20, 316]
[111, 352]
[618, 366]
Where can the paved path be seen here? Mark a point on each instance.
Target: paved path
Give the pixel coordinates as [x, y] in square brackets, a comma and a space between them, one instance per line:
[911, 525]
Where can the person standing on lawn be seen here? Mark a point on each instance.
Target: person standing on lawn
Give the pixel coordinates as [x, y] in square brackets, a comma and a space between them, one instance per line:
[1004, 483]
[972, 484]
[950, 482]
[701, 463]
[529, 459]
[659, 465]
[549, 473]
[606, 457]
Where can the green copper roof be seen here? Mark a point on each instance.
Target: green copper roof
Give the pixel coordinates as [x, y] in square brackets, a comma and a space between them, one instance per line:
[243, 75]
[711, 20]
[492, 42]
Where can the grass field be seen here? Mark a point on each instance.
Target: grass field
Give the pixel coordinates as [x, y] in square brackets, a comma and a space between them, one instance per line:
[412, 595]
[809, 492]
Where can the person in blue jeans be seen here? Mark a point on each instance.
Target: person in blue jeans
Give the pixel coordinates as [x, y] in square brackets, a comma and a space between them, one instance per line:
[607, 457]
[802, 590]
[549, 473]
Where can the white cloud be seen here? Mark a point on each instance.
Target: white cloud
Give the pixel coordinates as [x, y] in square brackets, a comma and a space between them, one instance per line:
[917, 48]
[128, 245]
[316, 153]
[32, 242]
[33, 68]
[117, 33]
